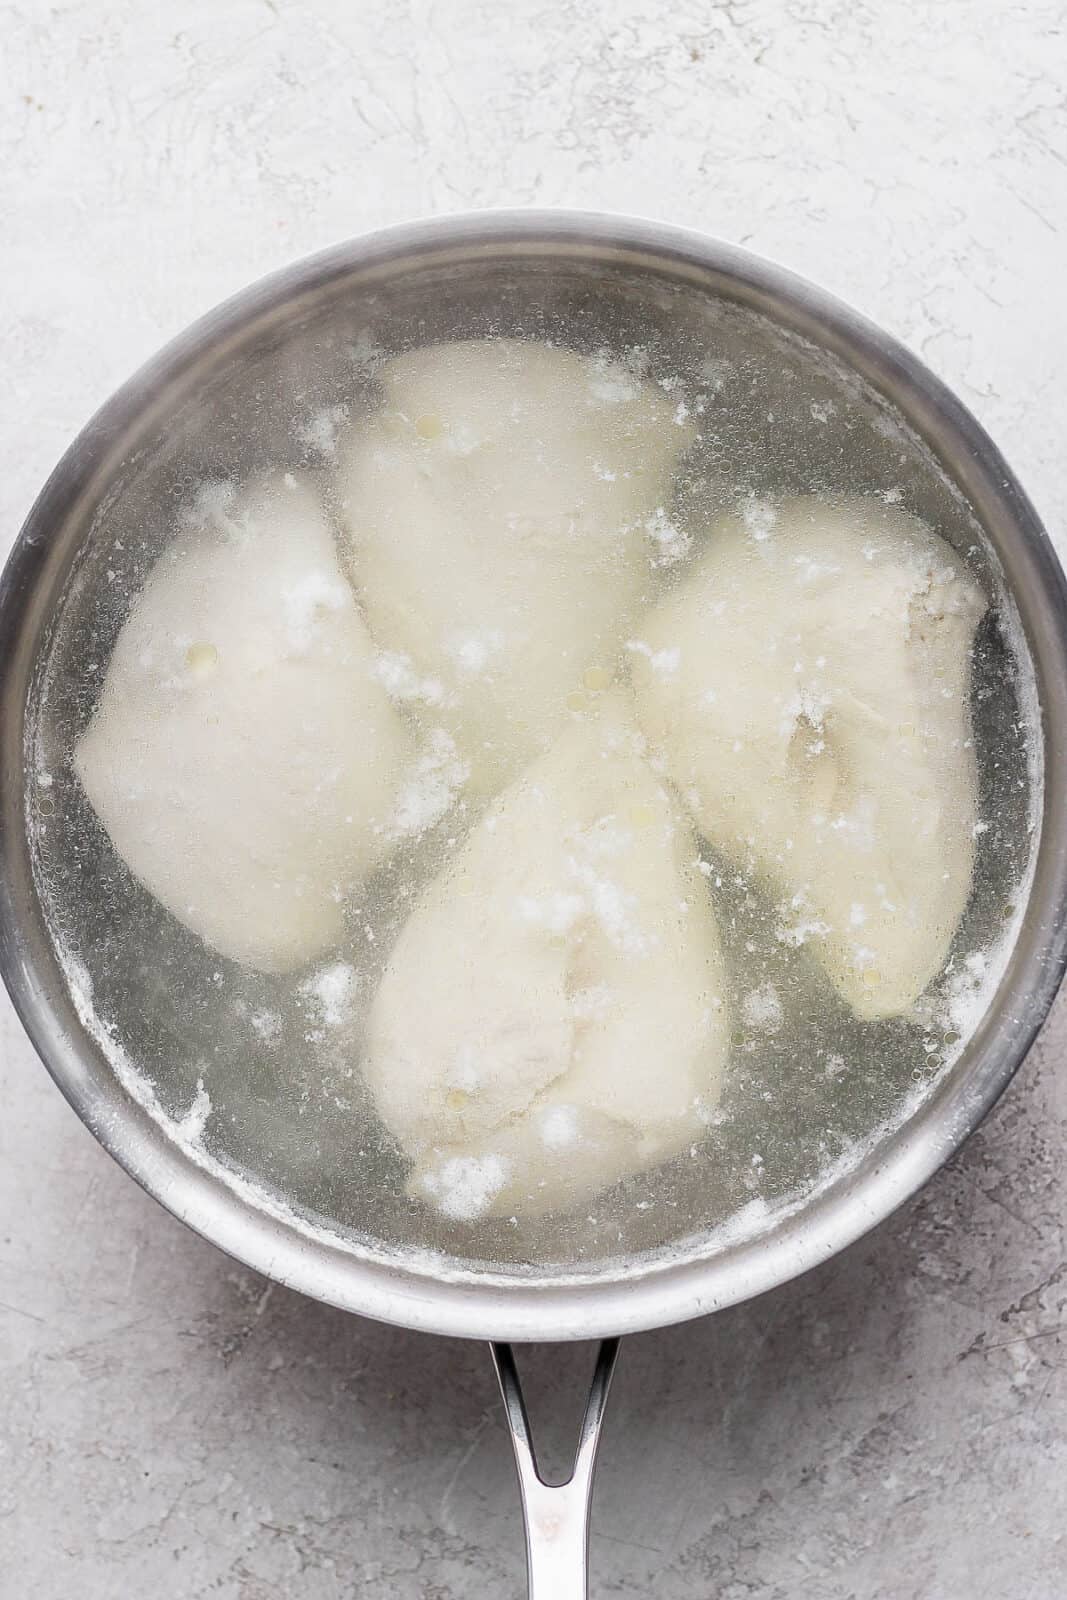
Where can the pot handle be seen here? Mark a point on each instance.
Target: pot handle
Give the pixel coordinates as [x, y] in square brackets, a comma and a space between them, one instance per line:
[556, 1516]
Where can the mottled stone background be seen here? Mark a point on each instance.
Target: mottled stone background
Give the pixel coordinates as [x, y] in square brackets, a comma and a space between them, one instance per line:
[894, 1426]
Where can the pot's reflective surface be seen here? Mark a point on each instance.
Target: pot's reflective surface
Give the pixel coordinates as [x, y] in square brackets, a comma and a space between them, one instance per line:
[423, 282]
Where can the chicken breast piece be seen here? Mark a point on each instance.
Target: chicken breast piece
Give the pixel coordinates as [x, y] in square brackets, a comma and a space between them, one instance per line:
[243, 758]
[552, 1017]
[505, 510]
[808, 687]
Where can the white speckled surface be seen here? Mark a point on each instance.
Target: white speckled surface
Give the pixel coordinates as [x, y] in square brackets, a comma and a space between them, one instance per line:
[892, 1428]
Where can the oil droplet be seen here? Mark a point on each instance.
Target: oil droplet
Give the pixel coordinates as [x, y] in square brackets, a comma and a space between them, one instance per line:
[577, 701]
[456, 1099]
[642, 816]
[429, 426]
[201, 659]
[597, 678]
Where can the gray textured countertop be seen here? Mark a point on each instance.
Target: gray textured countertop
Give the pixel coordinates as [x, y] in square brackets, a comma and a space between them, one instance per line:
[893, 1426]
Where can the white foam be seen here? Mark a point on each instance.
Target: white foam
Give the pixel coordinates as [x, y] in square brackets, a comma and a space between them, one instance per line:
[558, 1127]
[762, 1009]
[331, 991]
[397, 675]
[268, 1025]
[318, 433]
[759, 518]
[610, 382]
[671, 543]
[193, 1123]
[473, 652]
[464, 1187]
[556, 913]
[432, 786]
[666, 661]
[305, 601]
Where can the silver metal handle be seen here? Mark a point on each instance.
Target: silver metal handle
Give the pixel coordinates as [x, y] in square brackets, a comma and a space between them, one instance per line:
[556, 1516]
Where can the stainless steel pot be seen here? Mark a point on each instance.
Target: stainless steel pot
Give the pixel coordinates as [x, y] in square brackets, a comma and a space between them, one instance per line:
[492, 1306]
